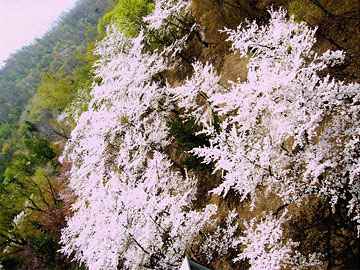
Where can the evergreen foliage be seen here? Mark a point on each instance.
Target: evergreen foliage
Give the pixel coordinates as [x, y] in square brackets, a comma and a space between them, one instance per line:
[128, 15]
[186, 133]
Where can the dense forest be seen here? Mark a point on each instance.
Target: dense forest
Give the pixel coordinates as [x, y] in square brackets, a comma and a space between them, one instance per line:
[137, 132]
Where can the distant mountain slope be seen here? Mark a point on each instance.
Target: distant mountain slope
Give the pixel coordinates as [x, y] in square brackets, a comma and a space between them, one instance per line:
[23, 70]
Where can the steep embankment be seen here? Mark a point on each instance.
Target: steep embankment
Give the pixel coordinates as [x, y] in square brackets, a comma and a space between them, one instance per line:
[253, 160]
[237, 148]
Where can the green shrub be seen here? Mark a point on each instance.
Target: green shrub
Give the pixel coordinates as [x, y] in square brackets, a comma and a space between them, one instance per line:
[128, 14]
[185, 133]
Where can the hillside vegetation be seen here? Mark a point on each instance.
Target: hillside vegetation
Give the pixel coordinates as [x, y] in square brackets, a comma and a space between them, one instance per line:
[224, 131]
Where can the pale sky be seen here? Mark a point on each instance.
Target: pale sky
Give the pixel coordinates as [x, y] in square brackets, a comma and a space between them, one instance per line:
[21, 21]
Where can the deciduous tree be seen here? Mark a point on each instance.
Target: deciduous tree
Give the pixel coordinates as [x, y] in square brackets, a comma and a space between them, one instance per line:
[132, 206]
[286, 129]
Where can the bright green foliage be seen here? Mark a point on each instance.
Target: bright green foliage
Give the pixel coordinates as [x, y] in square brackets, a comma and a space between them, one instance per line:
[32, 214]
[26, 195]
[57, 91]
[38, 153]
[128, 14]
[6, 132]
[54, 92]
[28, 127]
[83, 77]
[9, 143]
[19, 168]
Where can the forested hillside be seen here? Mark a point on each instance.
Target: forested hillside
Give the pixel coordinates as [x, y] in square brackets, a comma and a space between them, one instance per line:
[137, 132]
[36, 84]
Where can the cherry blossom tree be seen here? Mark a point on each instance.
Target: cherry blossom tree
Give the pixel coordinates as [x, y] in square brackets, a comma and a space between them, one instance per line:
[286, 128]
[132, 206]
[265, 248]
[167, 13]
[171, 23]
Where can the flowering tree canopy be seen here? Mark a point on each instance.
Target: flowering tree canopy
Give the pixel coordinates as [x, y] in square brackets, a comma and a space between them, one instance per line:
[131, 206]
[285, 129]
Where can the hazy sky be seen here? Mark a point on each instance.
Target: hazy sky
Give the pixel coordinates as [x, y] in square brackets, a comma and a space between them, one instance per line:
[23, 20]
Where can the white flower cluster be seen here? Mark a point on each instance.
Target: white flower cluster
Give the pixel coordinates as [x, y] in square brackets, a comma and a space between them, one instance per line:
[265, 249]
[166, 12]
[285, 128]
[131, 205]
